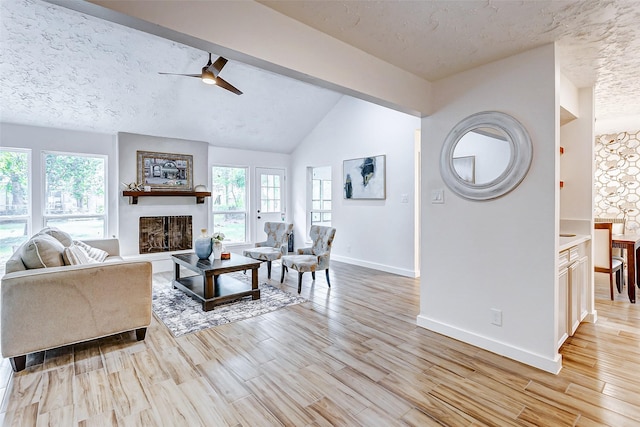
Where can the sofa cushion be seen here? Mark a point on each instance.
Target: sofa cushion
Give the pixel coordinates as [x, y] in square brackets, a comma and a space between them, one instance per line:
[15, 263]
[75, 255]
[42, 251]
[62, 236]
[93, 253]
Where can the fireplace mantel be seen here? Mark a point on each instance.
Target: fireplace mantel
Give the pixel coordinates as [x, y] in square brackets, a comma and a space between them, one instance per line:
[133, 195]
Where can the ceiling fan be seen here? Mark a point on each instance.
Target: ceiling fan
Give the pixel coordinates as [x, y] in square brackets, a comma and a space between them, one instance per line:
[210, 73]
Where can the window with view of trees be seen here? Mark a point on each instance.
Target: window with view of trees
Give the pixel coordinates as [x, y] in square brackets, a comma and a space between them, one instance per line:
[74, 195]
[229, 202]
[15, 214]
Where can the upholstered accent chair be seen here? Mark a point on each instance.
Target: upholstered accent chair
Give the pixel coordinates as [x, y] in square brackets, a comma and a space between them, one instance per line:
[312, 259]
[274, 247]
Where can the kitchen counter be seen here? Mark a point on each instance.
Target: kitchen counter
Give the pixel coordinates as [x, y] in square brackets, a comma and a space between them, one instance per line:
[568, 242]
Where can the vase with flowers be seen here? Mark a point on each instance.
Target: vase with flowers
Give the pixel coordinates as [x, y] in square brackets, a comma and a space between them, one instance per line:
[216, 239]
[203, 245]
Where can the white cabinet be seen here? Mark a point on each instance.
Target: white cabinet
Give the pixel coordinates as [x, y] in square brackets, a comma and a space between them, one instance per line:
[563, 305]
[573, 289]
[574, 296]
[585, 268]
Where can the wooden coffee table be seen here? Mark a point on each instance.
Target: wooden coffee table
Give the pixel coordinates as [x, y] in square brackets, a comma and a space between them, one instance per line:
[211, 286]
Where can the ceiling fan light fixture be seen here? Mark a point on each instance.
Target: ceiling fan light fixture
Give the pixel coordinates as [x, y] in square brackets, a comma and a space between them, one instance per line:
[208, 77]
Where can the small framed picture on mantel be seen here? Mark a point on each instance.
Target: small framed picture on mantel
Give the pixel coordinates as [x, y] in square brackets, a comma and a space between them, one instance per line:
[165, 171]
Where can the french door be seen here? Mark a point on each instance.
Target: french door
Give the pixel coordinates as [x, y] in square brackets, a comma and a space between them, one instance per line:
[270, 200]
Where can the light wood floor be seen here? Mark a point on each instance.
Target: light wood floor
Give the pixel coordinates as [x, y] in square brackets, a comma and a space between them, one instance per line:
[350, 356]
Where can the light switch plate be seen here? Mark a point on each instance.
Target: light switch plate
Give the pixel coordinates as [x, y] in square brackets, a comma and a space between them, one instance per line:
[437, 196]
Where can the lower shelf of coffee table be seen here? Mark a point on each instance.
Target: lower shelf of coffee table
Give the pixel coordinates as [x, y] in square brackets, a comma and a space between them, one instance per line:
[225, 289]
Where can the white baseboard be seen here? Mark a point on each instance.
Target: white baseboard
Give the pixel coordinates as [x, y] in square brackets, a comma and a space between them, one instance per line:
[591, 317]
[376, 266]
[532, 359]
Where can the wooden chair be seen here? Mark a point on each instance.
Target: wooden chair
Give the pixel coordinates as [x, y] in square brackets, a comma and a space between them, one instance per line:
[603, 259]
[618, 227]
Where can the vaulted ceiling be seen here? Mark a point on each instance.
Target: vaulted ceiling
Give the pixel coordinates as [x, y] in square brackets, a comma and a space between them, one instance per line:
[61, 68]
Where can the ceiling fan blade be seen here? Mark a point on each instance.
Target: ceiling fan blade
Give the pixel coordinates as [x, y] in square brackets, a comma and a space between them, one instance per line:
[216, 67]
[186, 75]
[228, 86]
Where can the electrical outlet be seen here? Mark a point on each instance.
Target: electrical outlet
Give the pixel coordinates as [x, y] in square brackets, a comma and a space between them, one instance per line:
[496, 317]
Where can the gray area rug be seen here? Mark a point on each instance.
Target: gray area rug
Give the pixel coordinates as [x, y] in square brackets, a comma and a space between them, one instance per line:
[183, 314]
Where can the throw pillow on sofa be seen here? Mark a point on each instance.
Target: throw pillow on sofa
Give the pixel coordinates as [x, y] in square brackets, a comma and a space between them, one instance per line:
[42, 251]
[61, 236]
[93, 253]
[76, 255]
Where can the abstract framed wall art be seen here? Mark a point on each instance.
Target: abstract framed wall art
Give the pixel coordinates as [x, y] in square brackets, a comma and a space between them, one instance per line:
[364, 178]
[165, 171]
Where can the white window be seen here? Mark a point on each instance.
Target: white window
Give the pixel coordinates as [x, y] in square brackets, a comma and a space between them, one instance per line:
[15, 203]
[229, 202]
[75, 193]
[270, 195]
[320, 212]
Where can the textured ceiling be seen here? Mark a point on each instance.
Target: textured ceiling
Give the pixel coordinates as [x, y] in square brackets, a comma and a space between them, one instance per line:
[60, 68]
[598, 40]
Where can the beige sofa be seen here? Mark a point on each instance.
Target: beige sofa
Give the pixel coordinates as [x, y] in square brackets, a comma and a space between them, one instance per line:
[51, 307]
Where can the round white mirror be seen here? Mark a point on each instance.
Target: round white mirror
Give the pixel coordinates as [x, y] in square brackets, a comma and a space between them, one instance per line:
[485, 156]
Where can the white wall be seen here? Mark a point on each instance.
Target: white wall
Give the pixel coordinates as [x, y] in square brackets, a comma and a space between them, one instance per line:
[499, 254]
[129, 215]
[40, 139]
[569, 96]
[373, 233]
[576, 164]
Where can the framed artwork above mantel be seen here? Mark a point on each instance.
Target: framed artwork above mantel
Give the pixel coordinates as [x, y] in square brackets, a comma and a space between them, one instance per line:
[165, 171]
